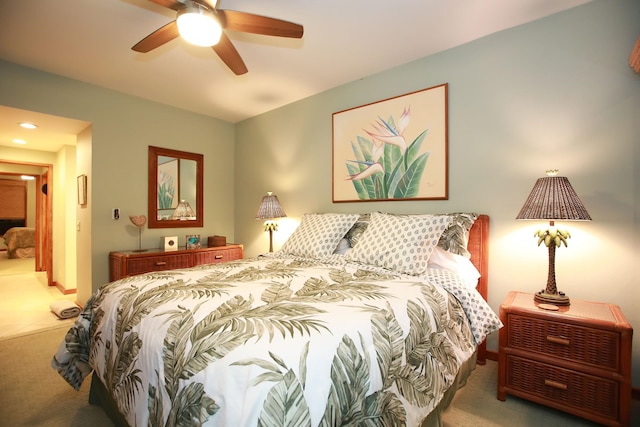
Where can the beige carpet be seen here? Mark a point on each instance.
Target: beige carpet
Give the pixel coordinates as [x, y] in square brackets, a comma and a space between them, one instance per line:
[16, 266]
[33, 394]
[25, 298]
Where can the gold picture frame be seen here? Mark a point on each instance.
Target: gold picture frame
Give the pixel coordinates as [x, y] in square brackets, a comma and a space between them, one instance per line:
[394, 149]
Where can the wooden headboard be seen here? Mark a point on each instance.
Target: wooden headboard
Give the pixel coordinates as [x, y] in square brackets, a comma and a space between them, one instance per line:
[479, 248]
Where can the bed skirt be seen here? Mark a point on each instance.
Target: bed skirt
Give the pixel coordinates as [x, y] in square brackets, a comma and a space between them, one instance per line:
[435, 417]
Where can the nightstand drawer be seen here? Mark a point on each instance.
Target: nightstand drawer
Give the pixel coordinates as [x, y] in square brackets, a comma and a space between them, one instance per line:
[217, 256]
[591, 346]
[563, 387]
[157, 263]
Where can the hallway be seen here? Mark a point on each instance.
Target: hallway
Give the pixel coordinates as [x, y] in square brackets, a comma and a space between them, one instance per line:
[25, 298]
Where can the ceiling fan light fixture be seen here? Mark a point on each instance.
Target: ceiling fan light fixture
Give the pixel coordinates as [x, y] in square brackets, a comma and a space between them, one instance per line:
[198, 25]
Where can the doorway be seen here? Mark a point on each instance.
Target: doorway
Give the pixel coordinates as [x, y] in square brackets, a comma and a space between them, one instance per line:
[36, 215]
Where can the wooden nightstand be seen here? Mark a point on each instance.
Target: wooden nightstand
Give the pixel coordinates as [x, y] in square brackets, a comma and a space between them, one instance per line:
[576, 359]
[129, 263]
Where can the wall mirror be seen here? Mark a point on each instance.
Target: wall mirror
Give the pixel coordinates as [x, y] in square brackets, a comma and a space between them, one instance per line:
[175, 177]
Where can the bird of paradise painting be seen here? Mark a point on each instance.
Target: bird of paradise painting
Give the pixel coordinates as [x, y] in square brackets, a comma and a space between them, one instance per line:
[167, 183]
[394, 149]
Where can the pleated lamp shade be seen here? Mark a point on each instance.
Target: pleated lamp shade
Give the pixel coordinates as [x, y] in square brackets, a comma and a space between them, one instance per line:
[183, 211]
[553, 198]
[270, 207]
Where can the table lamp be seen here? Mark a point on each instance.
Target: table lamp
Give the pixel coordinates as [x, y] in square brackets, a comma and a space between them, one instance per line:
[183, 211]
[553, 198]
[269, 209]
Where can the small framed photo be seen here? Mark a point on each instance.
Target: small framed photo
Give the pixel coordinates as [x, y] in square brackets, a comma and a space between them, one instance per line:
[193, 241]
[170, 243]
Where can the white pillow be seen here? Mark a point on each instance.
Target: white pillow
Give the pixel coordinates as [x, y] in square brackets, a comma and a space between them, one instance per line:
[401, 243]
[459, 264]
[343, 246]
[318, 235]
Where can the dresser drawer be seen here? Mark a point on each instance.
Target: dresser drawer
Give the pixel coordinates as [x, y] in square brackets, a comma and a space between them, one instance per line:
[217, 256]
[157, 263]
[129, 263]
[563, 387]
[595, 347]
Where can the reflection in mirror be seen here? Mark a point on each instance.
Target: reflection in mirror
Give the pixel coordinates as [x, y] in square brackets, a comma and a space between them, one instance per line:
[175, 188]
[176, 184]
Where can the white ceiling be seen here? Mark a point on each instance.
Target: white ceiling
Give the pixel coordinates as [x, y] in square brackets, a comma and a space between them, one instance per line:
[90, 41]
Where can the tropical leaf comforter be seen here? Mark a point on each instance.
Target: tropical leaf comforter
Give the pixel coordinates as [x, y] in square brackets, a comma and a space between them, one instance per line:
[277, 341]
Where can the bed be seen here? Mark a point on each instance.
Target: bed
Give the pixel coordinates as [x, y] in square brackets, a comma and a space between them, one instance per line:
[20, 242]
[358, 320]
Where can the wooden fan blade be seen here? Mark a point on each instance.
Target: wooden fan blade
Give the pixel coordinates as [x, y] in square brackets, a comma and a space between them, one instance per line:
[171, 4]
[159, 37]
[229, 55]
[256, 24]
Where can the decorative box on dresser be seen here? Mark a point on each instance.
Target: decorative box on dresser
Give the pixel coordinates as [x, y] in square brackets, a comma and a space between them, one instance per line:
[576, 359]
[129, 263]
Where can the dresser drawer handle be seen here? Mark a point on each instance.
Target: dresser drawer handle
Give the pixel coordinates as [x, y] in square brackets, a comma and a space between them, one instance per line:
[161, 263]
[555, 384]
[558, 340]
[219, 256]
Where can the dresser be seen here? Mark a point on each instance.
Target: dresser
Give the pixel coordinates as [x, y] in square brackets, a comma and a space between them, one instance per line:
[576, 359]
[129, 263]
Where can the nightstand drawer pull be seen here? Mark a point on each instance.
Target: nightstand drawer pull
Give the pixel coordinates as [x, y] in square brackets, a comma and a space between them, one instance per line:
[555, 384]
[161, 263]
[219, 256]
[558, 340]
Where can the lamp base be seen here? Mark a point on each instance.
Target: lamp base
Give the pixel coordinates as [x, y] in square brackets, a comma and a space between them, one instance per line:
[556, 299]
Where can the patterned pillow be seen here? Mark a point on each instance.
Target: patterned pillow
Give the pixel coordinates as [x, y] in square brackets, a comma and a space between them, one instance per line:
[358, 228]
[318, 235]
[401, 243]
[456, 237]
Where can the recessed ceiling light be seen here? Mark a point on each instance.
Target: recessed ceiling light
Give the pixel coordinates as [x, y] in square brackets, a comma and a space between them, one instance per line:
[27, 177]
[27, 125]
[19, 141]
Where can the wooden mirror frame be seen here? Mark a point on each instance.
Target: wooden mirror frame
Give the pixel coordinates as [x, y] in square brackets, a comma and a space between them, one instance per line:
[154, 222]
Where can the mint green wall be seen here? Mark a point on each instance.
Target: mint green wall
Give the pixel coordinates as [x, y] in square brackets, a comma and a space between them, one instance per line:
[122, 127]
[555, 93]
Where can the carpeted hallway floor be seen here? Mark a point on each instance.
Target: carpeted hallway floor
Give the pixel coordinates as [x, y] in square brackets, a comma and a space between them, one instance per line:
[25, 298]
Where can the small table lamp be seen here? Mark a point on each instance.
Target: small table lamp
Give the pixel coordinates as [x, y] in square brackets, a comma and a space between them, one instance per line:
[183, 211]
[269, 209]
[553, 198]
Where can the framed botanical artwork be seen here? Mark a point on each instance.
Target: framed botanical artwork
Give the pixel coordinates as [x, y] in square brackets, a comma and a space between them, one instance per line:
[394, 149]
[193, 241]
[168, 183]
[82, 189]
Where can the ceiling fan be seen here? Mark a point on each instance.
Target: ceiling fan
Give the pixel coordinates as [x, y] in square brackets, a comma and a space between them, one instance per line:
[197, 18]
